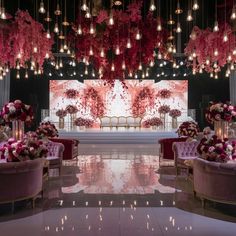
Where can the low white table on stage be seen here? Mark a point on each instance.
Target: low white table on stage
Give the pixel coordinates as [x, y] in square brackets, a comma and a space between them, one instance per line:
[120, 136]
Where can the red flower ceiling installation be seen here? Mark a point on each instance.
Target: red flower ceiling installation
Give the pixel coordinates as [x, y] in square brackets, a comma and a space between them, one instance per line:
[107, 48]
[24, 40]
[210, 51]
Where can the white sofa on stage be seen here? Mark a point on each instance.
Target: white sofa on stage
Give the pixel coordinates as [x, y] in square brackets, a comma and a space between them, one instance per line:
[120, 121]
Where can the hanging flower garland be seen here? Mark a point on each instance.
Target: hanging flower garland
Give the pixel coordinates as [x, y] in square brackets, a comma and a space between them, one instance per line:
[210, 51]
[107, 48]
[24, 41]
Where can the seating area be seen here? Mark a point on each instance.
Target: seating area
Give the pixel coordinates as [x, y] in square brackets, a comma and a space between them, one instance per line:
[120, 121]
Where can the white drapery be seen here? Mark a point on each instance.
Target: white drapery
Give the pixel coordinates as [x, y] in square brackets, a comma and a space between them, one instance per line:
[4, 90]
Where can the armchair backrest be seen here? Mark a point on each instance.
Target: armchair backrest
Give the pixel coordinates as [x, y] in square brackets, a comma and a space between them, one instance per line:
[55, 149]
[185, 149]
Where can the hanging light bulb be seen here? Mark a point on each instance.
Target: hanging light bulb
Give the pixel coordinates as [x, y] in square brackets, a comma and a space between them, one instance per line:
[232, 66]
[151, 63]
[159, 27]
[111, 19]
[229, 58]
[234, 51]
[228, 70]
[233, 13]
[178, 9]
[91, 30]
[138, 35]
[91, 51]
[216, 26]
[86, 70]
[200, 71]
[41, 7]
[79, 30]
[17, 65]
[123, 65]
[143, 75]
[207, 62]
[194, 72]
[159, 56]
[225, 37]
[130, 74]
[152, 6]
[215, 65]
[102, 53]
[18, 75]
[3, 14]
[88, 14]
[117, 51]
[174, 64]
[56, 28]
[60, 63]
[140, 67]
[195, 5]
[84, 6]
[57, 66]
[128, 45]
[178, 29]
[194, 54]
[189, 16]
[211, 75]
[216, 75]
[170, 21]
[48, 35]
[147, 73]
[112, 67]
[57, 12]
[216, 52]
[7, 69]
[174, 49]
[47, 55]
[26, 74]
[93, 73]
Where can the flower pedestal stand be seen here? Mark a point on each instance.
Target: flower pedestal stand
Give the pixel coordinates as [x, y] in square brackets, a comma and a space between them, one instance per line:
[61, 124]
[154, 127]
[221, 129]
[174, 123]
[163, 119]
[72, 121]
[18, 129]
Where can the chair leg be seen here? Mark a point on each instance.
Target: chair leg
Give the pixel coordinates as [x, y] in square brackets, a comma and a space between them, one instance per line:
[12, 207]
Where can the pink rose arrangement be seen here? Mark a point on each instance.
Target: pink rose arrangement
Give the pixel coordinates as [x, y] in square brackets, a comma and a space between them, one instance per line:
[29, 148]
[71, 109]
[61, 113]
[155, 121]
[17, 110]
[83, 122]
[174, 113]
[220, 111]
[164, 93]
[215, 149]
[164, 109]
[47, 129]
[188, 129]
[71, 93]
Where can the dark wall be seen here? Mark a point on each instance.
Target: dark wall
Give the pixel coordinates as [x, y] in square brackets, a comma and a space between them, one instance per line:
[32, 91]
[202, 89]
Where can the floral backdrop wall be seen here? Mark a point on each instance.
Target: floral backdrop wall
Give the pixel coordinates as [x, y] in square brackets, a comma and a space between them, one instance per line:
[94, 100]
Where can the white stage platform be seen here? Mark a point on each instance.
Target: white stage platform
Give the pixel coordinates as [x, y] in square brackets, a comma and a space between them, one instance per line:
[120, 136]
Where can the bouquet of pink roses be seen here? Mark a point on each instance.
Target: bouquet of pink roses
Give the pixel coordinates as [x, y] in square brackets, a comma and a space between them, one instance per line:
[71, 93]
[188, 129]
[61, 113]
[155, 121]
[17, 110]
[47, 129]
[220, 111]
[164, 109]
[83, 122]
[214, 149]
[164, 93]
[71, 109]
[174, 113]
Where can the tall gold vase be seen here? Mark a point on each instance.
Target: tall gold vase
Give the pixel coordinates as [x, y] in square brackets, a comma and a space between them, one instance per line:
[221, 129]
[18, 129]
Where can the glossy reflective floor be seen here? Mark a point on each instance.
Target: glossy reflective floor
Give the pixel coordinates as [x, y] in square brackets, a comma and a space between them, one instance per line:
[118, 190]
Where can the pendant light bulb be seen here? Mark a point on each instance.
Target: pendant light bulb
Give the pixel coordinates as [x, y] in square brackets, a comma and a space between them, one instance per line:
[56, 28]
[140, 67]
[189, 16]
[117, 51]
[128, 45]
[102, 53]
[88, 15]
[91, 51]
[195, 5]
[233, 14]
[225, 37]
[18, 75]
[91, 30]
[123, 65]
[216, 26]
[41, 7]
[79, 30]
[138, 36]
[3, 14]
[152, 6]
[48, 35]
[216, 53]
[84, 6]
[112, 67]
[111, 19]
[159, 27]
[178, 29]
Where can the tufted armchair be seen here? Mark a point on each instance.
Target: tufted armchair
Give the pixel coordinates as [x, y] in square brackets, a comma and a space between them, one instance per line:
[55, 154]
[184, 151]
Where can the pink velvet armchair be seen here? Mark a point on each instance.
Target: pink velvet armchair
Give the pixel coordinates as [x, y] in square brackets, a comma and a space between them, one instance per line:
[55, 154]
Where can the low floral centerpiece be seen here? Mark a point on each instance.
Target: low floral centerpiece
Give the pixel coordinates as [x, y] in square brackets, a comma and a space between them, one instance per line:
[220, 114]
[188, 129]
[216, 149]
[154, 122]
[17, 110]
[88, 123]
[47, 130]
[29, 148]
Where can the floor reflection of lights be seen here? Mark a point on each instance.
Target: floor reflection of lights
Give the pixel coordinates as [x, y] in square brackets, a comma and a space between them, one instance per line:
[118, 174]
[117, 221]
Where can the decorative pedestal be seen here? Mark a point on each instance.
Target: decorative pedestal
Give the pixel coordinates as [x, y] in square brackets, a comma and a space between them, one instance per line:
[18, 129]
[221, 129]
[72, 121]
[163, 119]
[61, 123]
[154, 127]
[174, 123]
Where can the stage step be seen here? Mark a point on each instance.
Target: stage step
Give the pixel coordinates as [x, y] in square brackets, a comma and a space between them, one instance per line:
[118, 137]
